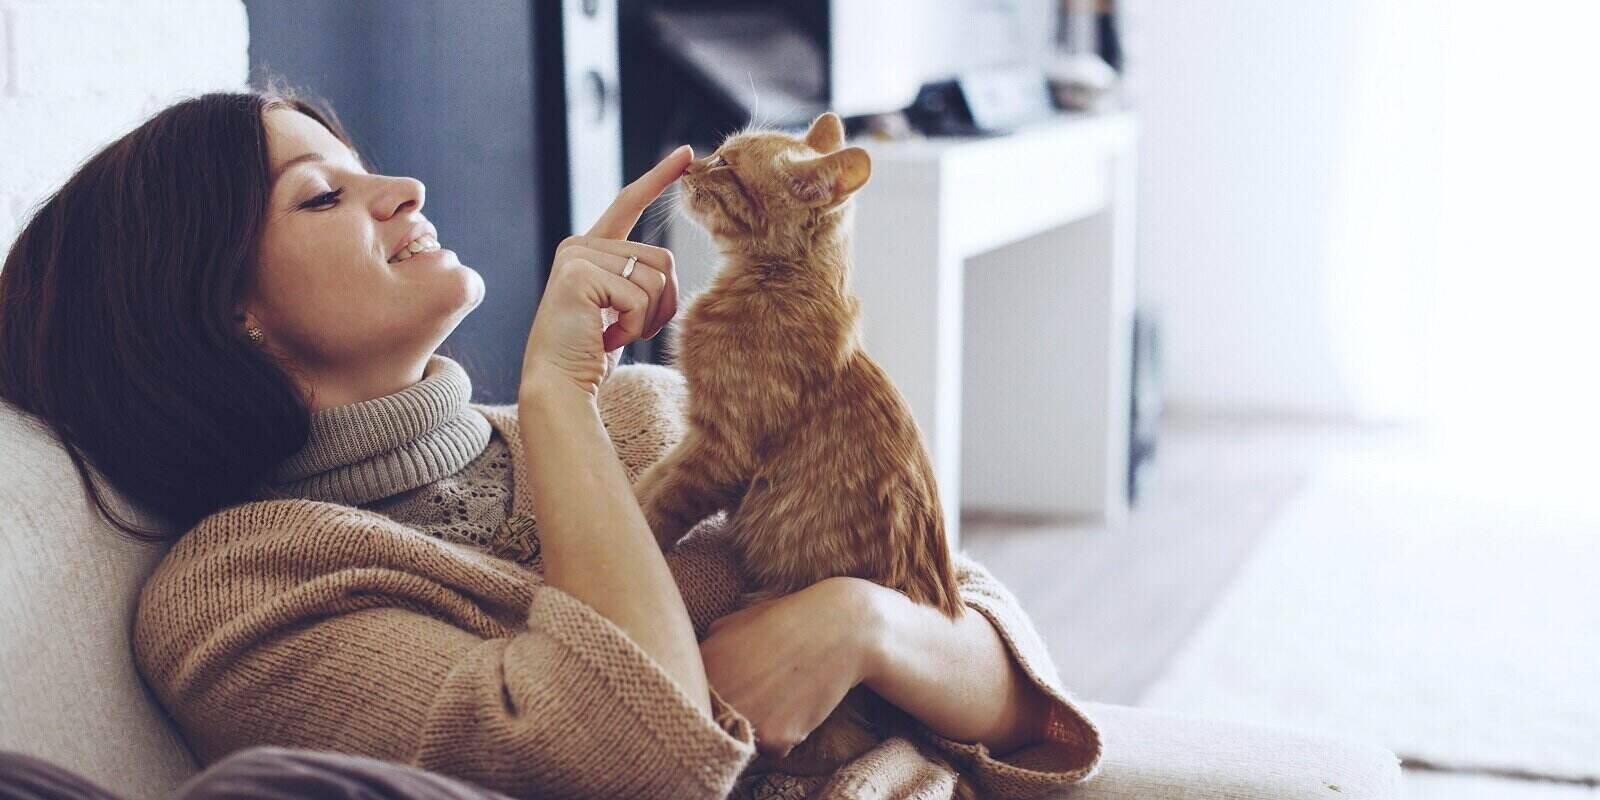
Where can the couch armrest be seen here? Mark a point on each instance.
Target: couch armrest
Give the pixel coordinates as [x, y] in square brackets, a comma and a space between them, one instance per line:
[1155, 755]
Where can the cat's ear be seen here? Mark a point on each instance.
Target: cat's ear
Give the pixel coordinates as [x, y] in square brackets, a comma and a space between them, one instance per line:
[832, 178]
[826, 134]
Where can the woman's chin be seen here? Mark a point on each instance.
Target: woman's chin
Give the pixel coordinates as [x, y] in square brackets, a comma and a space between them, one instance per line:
[450, 290]
[469, 287]
[476, 285]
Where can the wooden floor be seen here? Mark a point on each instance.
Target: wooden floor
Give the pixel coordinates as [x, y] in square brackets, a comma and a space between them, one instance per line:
[1116, 602]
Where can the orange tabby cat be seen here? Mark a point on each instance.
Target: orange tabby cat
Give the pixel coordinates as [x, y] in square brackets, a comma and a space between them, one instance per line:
[793, 429]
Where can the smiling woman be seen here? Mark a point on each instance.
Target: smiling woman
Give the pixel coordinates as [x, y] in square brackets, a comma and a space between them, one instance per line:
[119, 304]
[207, 353]
[329, 294]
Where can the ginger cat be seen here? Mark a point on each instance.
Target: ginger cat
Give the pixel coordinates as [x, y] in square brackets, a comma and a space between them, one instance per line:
[793, 429]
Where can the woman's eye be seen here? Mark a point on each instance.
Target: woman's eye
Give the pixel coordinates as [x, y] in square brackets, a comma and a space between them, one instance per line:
[324, 199]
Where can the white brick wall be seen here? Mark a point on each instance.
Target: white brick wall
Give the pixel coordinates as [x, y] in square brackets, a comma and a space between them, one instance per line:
[77, 74]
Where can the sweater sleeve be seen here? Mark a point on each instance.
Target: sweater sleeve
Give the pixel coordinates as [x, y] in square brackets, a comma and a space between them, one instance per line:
[421, 666]
[575, 708]
[1071, 749]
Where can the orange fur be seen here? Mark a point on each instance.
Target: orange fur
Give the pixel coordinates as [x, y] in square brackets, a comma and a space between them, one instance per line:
[792, 427]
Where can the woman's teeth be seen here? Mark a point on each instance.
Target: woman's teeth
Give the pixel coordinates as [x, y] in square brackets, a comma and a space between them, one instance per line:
[422, 244]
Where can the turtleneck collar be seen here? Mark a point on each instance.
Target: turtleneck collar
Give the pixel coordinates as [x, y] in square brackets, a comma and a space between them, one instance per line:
[366, 451]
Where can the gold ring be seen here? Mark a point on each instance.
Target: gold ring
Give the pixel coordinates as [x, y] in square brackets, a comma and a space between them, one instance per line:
[628, 270]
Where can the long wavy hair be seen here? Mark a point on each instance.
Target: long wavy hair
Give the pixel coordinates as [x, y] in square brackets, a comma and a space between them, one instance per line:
[117, 313]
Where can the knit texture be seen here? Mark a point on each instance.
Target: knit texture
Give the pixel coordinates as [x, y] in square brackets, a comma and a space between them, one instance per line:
[365, 451]
[468, 507]
[422, 456]
[312, 623]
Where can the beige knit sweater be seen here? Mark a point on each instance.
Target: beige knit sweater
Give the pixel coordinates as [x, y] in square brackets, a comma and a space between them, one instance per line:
[315, 623]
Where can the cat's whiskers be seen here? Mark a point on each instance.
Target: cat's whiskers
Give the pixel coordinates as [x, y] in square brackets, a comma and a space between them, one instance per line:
[755, 105]
[759, 124]
[662, 203]
[787, 111]
[661, 212]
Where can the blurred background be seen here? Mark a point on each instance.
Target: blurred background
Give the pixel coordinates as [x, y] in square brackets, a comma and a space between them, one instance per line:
[1255, 341]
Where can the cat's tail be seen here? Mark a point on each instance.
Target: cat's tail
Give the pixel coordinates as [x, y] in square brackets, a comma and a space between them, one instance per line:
[930, 576]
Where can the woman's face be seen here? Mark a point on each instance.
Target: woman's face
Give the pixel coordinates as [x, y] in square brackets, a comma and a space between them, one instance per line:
[327, 295]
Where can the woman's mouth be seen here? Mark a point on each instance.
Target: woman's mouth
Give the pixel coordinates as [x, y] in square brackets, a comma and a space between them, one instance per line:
[425, 243]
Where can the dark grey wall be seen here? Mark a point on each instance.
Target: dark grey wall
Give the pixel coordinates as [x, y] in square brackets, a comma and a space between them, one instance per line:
[445, 93]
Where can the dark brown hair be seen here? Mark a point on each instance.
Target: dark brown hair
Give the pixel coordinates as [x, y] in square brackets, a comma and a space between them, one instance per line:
[117, 313]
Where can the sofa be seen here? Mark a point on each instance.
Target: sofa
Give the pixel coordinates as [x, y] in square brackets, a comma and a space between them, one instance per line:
[70, 694]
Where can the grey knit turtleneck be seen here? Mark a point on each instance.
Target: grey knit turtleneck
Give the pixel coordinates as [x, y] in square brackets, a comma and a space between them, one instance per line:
[366, 451]
[422, 456]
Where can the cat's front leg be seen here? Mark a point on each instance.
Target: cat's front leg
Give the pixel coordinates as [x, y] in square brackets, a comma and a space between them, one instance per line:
[650, 491]
[679, 491]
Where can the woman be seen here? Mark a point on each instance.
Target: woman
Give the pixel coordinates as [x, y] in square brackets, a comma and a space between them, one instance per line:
[236, 322]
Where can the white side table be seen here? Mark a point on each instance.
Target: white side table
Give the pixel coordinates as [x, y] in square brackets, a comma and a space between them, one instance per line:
[996, 283]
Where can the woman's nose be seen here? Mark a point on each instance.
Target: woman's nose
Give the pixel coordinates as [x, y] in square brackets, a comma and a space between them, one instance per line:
[408, 194]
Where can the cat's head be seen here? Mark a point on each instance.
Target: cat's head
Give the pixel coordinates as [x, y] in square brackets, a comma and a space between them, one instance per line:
[768, 186]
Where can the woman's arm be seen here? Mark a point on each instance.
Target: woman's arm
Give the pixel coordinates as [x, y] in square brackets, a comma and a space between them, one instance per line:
[597, 546]
[978, 686]
[1066, 747]
[955, 676]
[603, 292]
[333, 629]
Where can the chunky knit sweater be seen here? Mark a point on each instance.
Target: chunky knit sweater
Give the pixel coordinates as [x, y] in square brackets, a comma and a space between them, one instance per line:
[350, 609]
[423, 456]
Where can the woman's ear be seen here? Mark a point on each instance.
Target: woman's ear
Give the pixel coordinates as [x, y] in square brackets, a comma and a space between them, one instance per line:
[246, 319]
[826, 134]
[830, 179]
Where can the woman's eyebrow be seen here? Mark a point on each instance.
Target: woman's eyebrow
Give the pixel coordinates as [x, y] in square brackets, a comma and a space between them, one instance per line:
[290, 164]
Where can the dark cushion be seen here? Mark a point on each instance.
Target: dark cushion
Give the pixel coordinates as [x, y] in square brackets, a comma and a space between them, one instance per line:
[264, 773]
[24, 777]
[271, 773]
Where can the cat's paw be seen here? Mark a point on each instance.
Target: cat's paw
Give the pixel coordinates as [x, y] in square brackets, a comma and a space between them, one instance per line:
[666, 531]
[665, 527]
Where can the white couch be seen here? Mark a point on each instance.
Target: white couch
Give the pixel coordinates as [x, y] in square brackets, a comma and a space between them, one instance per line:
[69, 691]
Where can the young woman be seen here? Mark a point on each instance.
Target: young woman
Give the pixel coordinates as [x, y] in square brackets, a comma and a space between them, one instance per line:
[235, 322]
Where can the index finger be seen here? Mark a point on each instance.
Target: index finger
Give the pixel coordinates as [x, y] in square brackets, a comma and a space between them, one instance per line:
[623, 213]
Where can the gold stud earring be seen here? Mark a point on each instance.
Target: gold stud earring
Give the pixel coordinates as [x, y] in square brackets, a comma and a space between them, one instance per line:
[256, 335]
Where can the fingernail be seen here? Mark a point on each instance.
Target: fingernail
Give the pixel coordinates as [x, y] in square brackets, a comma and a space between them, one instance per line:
[684, 148]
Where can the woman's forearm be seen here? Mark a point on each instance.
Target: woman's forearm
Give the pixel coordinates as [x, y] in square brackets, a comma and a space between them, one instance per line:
[955, 676]
[596, 543]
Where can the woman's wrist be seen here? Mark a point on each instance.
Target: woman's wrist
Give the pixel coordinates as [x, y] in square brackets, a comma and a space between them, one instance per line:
[879, 611]
[553, 394]
[859, 609]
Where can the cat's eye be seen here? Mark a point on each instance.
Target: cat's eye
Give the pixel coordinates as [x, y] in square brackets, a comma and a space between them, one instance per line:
[718, 162]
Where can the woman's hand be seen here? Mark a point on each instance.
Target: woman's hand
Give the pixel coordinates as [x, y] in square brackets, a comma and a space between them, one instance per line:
[786, 663]
[589, 310]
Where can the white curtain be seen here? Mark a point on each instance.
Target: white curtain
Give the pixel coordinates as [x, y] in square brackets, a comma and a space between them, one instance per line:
[1382, 211]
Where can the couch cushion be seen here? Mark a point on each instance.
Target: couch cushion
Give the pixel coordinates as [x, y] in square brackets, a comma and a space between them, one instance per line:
[68, 587]
[1154, 755]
